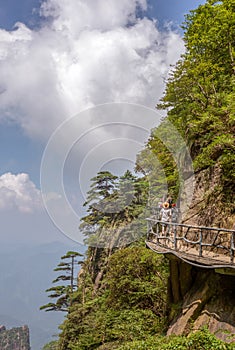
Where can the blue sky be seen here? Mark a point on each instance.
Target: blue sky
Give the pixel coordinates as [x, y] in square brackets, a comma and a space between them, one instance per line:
[60, 59]
[12, 11]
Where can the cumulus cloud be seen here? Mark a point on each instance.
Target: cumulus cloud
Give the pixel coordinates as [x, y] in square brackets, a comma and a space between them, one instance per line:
[18, 192]
[85, 53]
[103, 15]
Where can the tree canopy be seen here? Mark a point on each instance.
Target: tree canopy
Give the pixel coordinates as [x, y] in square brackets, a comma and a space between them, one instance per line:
[199, 93]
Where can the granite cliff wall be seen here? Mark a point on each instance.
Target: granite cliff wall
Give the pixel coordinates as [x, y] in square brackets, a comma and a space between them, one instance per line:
[199, 296]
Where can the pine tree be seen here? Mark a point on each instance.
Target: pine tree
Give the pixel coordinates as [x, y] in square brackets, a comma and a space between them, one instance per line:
[63, 293]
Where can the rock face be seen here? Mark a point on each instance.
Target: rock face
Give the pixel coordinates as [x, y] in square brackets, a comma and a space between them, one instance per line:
[15, 338]
[201, 297]
[209, 205]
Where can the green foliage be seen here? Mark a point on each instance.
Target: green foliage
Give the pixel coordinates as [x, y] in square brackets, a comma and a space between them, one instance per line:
[114, 205]
[200, 90]
[112, 325]
[53, 345]
[159, 162]
[137, 278]
[200, 340]
[199, 95]
[103, 185]
[132, 310]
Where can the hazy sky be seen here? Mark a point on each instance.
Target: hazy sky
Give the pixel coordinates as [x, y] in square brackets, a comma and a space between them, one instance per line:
[58, 58]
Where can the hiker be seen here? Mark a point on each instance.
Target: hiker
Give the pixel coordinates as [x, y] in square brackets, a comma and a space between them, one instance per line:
[165, 216]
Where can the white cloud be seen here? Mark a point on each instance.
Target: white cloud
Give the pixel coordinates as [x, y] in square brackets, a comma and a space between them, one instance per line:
[86, 53]
[18, 192]
[75, 15]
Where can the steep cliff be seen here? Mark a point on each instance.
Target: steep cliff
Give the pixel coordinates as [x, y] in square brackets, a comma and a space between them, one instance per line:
[210, 205]
[199, 99]
[199, 297]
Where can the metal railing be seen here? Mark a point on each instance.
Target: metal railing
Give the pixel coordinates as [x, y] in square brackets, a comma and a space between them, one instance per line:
[180, 237]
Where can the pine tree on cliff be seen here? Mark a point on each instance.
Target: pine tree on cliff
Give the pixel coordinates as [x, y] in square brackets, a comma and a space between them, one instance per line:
[112, 204]
[63, 293]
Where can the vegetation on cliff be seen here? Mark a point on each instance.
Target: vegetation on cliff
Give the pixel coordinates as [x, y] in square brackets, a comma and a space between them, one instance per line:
[130, 308]
[199, 96]
[115, 208]
[129, 304]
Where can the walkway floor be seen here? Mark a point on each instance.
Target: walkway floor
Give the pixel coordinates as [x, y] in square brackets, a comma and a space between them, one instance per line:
[209, 259]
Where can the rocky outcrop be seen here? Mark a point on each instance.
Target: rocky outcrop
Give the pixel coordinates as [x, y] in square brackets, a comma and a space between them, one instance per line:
[201, 297]
[15, 338]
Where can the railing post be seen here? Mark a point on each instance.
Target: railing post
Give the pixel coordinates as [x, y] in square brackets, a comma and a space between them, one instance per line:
[175, 238]
[200, 243]
[232, 247]
[157, 232]
[147, 230]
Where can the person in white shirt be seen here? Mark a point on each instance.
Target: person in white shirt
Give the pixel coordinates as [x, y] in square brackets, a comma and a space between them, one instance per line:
[165, 216]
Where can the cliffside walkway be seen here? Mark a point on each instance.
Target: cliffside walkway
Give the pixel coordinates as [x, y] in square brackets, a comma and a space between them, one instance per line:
[207, 247]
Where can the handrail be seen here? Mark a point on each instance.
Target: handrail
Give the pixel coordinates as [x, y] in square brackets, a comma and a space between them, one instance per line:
[204, 237]
[191, 226]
